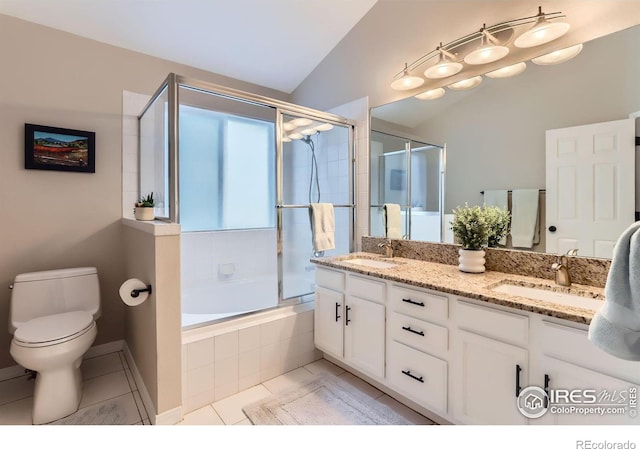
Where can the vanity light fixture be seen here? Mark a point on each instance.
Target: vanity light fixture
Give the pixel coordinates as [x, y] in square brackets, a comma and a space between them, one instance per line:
[469, 83]
[295, 136]
[542, 32]
[443, 68]
[510, 70]
[431, 94]
[288, 126]
[545, 27]
[489, 50]
[558, 56]
[407, 81]
[296, 122]
[286, 138]
[308, 131]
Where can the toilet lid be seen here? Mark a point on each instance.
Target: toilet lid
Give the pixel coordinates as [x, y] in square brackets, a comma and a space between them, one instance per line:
[53, 327]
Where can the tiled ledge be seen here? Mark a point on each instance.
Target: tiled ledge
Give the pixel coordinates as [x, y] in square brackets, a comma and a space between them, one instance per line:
[155, 227]
[583, 270]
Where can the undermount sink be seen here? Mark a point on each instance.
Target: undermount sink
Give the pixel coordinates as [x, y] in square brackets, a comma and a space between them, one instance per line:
[371, 263]
[544, 294]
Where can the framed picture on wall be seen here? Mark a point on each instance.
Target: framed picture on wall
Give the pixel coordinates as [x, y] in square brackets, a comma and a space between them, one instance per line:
[49, 148]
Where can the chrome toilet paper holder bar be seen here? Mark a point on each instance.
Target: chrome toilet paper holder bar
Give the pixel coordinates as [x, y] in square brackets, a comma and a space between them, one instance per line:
[136, 292]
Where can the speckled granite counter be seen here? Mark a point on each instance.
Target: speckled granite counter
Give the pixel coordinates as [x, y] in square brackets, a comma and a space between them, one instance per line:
[449, 279]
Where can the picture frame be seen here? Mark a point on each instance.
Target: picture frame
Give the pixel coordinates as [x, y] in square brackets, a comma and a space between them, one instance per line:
[62, 149]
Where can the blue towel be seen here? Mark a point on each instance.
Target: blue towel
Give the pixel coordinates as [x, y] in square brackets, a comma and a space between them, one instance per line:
[615, 328]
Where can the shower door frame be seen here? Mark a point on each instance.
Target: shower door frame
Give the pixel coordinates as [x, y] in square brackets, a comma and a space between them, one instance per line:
[173, 82]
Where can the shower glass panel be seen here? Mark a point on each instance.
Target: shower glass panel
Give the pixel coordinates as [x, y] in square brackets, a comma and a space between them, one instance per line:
[316, 168]
[417, 185]
[154, 153]
[226, 198]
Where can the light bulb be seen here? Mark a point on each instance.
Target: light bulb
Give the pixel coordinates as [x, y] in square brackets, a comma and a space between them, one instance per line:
[407, 82]
[324, 127]
[486, 54]
[541, 33]
[469, 83]
[556, 57]
[431, 94]
[510, 70]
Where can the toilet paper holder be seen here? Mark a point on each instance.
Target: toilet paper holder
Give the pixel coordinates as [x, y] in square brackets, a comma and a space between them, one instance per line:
[136, 292]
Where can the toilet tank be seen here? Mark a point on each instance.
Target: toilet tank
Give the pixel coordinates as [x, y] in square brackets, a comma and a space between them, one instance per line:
[55, 291]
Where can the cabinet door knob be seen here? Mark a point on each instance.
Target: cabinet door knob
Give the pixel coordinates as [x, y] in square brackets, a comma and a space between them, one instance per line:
[552, 228]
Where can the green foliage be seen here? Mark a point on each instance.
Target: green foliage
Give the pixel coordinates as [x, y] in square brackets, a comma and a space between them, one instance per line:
[498, 221]
[470, 227]
[477, 227]
[146, 201]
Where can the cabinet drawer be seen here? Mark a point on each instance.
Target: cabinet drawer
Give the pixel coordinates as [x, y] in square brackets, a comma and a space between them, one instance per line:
[419, 304]
[366, 288]
[419, 376]
[571, 344]
[333, 280]
[493, 323]
[416, 333]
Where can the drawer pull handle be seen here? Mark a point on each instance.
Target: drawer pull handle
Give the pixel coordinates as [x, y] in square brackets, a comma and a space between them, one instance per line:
[518, 388]
[337, 309]
[346, 317]
[411, 301]
[408, 329]
[408, 373]
[546, 389]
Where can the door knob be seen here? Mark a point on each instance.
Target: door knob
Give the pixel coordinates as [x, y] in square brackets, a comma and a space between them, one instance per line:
[552, 228]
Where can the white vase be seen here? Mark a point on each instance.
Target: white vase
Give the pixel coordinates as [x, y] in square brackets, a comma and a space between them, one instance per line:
[471, 260]
[145, 213]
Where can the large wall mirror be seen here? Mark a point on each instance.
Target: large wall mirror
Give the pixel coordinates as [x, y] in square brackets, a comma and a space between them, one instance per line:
[496, 134]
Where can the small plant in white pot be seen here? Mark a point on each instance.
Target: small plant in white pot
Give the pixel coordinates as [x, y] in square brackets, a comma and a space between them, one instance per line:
[145, 208]
[498, 220]
[471, 230]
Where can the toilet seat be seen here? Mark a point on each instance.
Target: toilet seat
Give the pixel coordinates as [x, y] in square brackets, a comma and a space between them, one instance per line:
[53, 329]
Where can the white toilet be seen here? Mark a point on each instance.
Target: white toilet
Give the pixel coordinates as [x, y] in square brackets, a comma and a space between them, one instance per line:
[52, 318]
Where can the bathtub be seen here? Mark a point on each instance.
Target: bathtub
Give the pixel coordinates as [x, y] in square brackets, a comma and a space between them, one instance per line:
[209, 300]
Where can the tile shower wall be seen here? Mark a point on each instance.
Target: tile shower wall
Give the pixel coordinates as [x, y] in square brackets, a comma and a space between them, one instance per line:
[230, 361]
[358, 110]
[132, 104]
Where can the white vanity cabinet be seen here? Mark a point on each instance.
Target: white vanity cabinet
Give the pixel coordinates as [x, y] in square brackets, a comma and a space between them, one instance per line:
[461, 359]
[350, 319]
[491, 360]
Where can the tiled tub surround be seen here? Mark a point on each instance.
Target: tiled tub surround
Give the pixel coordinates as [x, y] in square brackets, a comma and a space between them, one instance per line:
[448, 278]
[583, 270]
[222, 359]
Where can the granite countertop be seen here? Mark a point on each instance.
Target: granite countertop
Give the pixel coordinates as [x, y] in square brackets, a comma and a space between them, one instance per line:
[449, 279]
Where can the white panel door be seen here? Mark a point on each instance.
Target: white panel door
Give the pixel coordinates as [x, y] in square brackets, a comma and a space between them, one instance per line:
[590, 182]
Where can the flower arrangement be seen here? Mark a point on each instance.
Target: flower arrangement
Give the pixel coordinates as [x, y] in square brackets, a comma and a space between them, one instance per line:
[470, 227]
[498, 220]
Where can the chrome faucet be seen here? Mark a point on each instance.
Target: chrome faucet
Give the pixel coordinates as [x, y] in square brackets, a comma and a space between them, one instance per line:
[561, 268]
[388, 247]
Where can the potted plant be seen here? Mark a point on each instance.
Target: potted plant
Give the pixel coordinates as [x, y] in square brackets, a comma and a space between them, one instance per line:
[471, 230]
[145, 208]
[498, 221]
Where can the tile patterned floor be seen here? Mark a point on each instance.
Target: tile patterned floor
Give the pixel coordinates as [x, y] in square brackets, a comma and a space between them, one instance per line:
[110, 395]
[109, 385]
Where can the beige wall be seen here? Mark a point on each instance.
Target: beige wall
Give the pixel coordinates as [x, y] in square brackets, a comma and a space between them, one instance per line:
[60, 219]
[153, 328]
[395, 32]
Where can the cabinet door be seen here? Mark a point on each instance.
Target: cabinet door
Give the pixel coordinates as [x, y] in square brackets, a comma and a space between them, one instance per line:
[567, 376]
[328, 319]
[487, 378]
[364, 335]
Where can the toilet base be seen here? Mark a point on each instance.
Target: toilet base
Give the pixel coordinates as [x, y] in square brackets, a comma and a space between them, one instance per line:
[57, 394]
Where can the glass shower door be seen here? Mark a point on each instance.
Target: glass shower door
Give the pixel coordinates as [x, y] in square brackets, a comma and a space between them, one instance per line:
[315, 168]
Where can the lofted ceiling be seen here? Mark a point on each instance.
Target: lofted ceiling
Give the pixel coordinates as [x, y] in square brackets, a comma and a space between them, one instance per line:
[272, 43]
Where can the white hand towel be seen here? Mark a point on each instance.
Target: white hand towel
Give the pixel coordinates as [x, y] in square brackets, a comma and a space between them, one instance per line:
[392, 221]
[323, 225]
[615, 328]
[525, 218]
[497, 198]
